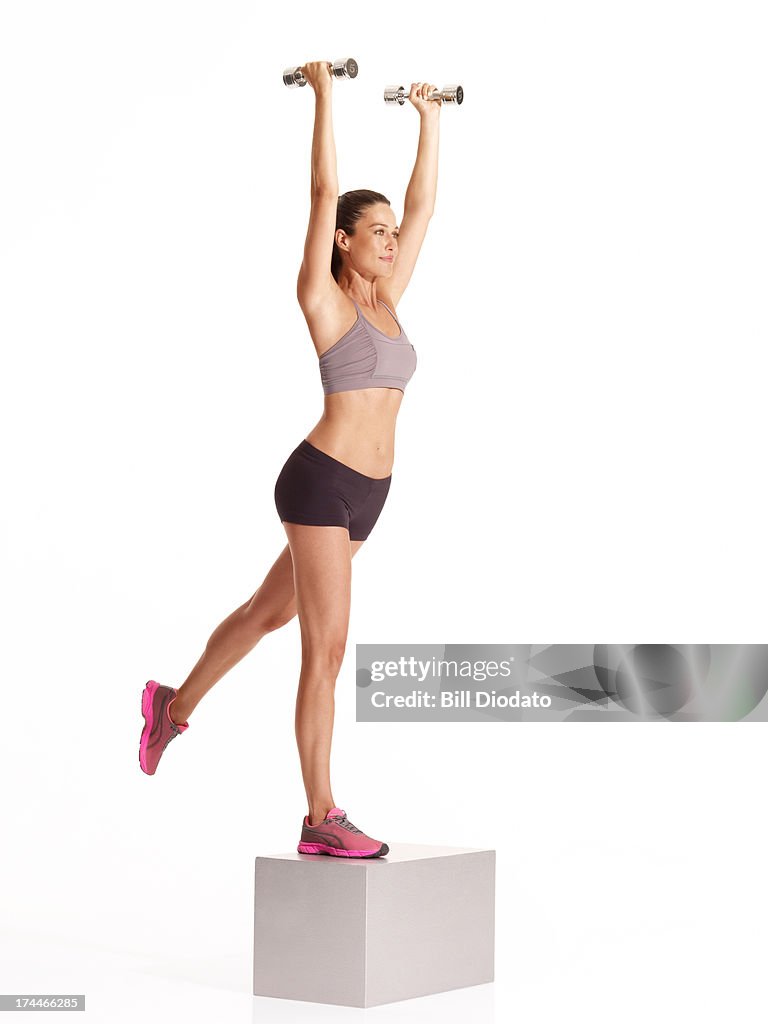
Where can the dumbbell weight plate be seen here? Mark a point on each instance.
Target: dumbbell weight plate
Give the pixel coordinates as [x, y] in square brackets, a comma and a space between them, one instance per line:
[448, 94]
[347, 67]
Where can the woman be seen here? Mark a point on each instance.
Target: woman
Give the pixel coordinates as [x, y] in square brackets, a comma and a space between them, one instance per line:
[333, 486]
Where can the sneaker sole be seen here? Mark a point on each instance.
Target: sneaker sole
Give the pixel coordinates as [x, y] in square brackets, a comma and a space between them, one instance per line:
[331, 851]
[146, 709]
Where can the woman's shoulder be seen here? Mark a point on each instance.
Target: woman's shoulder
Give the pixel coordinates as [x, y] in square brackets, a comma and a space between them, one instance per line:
[387, 299]
[329, 316]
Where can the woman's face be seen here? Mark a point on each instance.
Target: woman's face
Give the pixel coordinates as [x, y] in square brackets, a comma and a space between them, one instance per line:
[373, 247]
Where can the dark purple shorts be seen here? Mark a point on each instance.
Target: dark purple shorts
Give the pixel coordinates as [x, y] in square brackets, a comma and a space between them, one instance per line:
[315, 489]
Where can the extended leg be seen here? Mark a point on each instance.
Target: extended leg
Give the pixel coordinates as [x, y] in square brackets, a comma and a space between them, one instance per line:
[322, 575]
[269, 608]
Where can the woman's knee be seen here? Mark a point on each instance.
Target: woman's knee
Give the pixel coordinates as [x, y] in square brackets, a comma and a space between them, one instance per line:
[277, 619]
[323, 660]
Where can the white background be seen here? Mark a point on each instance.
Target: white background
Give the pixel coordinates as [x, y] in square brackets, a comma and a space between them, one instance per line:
[579, 459]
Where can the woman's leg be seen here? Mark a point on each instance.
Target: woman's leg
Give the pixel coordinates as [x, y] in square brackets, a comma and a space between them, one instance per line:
[273, 604]
[322, 581]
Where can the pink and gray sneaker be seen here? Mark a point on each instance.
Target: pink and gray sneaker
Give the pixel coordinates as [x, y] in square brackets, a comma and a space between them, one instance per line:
[159, 728]
[338, 837]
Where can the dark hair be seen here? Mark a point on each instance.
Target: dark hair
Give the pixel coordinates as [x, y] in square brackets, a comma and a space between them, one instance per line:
[349, 210]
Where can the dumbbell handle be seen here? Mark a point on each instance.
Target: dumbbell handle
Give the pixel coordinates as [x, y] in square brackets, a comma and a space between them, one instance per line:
[344, 68]
[448, 94]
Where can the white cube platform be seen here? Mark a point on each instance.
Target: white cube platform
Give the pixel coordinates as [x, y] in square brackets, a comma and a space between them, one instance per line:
[357, 932]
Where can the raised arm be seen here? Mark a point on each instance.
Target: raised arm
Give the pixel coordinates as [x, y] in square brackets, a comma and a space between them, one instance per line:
[422, 188]
[420, 195]
[315, 279]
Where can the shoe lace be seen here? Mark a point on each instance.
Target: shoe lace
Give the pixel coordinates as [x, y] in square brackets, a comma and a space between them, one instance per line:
[343, 820]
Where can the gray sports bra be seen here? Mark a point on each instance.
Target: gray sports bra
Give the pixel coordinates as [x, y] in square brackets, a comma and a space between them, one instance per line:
[365, 357]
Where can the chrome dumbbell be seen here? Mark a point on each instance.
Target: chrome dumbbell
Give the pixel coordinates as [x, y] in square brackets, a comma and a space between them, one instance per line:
[346, 68]
[448, 94]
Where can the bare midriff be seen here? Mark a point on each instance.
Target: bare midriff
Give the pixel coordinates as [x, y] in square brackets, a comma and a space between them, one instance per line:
[358, 429]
